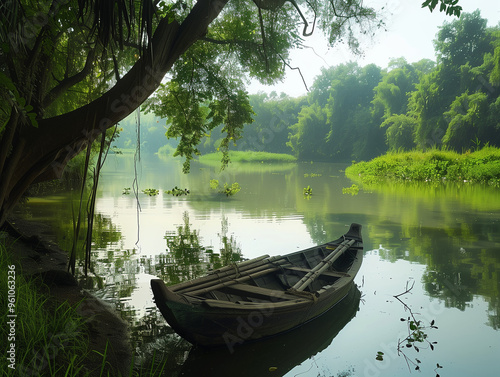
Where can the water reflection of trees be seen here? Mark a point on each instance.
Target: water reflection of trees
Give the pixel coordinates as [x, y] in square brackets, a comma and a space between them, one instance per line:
[229, 249]
[187, 258]
[184, 256]
[462, 260]
[157, 345]
[461, 256]
[105, 238]
[459, 248]
[105, 233]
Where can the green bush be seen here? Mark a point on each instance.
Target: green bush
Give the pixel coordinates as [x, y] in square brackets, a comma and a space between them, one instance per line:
[482, 166]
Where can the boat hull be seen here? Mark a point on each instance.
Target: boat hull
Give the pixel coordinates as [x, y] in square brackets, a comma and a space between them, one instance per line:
[283, 351]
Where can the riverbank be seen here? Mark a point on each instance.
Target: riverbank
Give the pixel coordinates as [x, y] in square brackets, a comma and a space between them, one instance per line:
[482, 166]
[247, 156]
[58, 328]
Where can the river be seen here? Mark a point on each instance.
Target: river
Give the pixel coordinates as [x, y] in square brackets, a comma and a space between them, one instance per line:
[443, 240]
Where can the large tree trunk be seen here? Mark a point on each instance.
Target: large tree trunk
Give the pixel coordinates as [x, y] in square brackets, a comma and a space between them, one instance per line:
[35, 154]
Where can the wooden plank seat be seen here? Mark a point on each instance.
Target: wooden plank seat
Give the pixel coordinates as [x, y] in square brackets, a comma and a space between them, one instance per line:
[335, 274]
[259, 292]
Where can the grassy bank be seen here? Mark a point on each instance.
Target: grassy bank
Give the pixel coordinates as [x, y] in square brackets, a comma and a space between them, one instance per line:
[41, 338]
[482, 166]
[249, 156]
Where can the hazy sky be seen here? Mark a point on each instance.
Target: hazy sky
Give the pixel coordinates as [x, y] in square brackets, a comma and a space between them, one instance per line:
[410, 32]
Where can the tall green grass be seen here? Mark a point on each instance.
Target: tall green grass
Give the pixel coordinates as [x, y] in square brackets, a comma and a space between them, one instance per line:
[482, 166]
[48, 337]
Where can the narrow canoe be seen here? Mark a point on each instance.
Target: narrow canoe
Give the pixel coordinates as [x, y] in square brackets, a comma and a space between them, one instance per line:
[261, 297]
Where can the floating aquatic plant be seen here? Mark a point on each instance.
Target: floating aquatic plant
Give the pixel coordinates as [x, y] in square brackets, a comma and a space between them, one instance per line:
[353, 190]
[177, 191]
[307, 191]
[151, 192]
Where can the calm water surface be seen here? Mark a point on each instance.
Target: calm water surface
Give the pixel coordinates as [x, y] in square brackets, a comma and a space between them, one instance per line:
[444, 240]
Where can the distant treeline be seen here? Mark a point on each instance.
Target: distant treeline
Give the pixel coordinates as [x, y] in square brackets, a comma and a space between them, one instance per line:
[357, 113]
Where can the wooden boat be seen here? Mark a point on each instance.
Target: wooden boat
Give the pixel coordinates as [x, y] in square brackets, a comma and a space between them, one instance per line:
[261, 297]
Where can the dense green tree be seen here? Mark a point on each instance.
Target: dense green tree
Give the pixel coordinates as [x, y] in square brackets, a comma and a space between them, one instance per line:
[424, 66]
[426, 107]
[467, 121]
[493, 60]
[320, 89]
[419, 105]
[462, 41]
[392, 91]
[273, 116]
[308, 134]
[349, 95]
[343, 94]
[465, 50]
[460, 45]
[369, 140]
[400, 132]
[454, 104]
[493, 123]
[391, 96]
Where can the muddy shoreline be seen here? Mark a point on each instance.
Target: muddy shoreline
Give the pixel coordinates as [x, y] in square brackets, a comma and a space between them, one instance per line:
[34, 249]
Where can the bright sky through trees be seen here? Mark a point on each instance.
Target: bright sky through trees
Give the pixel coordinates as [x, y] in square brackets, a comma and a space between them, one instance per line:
[410, 32]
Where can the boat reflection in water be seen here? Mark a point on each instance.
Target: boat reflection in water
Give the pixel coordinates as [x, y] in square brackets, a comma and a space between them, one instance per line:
[281, 353]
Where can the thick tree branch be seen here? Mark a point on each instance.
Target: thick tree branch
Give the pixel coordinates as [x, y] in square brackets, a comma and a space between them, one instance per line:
[306, 24]
[68, 82]
[7, 138]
